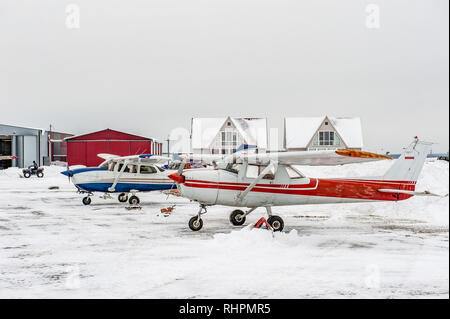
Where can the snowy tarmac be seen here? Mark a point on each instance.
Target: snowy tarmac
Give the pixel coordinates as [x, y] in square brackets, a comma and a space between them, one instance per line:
[51, 246]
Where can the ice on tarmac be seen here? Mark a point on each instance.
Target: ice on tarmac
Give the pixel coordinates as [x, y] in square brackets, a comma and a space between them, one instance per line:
[51, 246]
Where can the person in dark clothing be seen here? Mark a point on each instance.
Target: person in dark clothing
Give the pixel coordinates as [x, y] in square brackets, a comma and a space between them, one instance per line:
[34, 166]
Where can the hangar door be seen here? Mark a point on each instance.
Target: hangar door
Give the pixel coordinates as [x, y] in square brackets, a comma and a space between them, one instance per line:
[5, 149]
[29, 150]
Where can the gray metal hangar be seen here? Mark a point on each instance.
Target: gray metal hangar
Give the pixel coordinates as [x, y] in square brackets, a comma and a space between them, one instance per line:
[28, 144]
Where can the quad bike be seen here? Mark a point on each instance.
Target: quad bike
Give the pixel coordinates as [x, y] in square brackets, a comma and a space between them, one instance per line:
[27, 172]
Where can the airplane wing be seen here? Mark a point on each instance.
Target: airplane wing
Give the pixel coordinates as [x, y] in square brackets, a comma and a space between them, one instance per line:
[211, 158]
[207, 158]
[106, 156]
[142, 158]
[312, 158]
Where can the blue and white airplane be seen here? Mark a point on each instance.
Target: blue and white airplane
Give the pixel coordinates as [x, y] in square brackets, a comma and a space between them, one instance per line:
[124, 175]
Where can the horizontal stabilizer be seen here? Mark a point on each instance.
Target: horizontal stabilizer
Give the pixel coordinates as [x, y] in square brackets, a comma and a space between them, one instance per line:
[401, 191]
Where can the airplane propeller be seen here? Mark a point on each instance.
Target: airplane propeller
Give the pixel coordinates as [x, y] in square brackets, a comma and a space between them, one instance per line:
[68, 172]
[182, 166]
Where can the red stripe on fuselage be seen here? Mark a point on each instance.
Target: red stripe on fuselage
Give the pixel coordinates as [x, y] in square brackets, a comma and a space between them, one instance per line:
[356, 189]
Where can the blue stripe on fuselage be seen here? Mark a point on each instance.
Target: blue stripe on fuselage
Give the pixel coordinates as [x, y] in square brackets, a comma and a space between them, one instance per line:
[82, 170]
[123, 187]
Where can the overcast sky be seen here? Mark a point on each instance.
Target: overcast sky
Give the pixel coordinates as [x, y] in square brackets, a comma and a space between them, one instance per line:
[149, 66]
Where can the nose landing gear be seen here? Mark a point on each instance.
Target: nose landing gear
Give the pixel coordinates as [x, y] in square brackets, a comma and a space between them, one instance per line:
[196, 223]
[87, 200]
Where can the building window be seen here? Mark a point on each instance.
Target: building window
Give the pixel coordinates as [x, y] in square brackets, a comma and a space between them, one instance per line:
[223, 138]
[326, 138]
[226, 142]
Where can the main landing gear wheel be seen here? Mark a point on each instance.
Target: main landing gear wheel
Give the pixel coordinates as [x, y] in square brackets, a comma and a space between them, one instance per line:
[237, 217]
[195, 223]
[134, 200]
[86, 200]
[123, 197]
[276, 222]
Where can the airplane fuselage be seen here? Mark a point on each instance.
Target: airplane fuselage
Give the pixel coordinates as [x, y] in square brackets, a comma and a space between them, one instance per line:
[97, 179]
[222, 187]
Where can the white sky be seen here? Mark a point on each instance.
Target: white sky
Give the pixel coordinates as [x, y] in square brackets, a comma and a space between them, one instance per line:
[149, 66]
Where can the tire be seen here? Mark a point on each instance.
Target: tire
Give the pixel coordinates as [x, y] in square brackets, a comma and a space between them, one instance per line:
[234, 217]
[276, 222]
[86, 200]
[26, 174]
[134, 200]
[195, 224]
[40, 174]
[123, 197]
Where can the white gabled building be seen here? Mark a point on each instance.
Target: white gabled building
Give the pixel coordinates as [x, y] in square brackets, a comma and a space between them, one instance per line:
[224, 135]
[322, 133]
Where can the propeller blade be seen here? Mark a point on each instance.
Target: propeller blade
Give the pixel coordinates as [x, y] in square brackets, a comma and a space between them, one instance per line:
[67, 172]
[182, 166]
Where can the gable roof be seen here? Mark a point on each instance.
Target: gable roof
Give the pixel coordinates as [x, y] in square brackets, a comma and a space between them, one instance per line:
[204, 130]
[106, 134]
[300, 130]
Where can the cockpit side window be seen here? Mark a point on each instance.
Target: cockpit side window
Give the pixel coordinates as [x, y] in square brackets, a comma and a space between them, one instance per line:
[111, 166]
[253, 171]
[293, 173]
[147, 170]
[233, 168]
[131, 168]
[269, 175]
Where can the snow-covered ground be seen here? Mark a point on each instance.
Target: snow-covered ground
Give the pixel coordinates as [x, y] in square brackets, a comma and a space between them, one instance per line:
[52, 246]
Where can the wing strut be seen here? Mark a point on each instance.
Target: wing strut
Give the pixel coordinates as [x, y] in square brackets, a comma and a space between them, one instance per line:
[116, 179]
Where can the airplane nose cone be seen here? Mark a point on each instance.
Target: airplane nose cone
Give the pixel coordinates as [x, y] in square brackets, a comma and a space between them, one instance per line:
[67, 173]
[179, 179]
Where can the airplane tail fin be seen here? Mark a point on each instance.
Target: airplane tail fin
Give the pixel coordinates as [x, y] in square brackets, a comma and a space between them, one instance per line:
[409, 165]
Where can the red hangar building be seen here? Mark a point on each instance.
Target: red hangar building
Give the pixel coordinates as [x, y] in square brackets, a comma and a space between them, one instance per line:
[83, 149]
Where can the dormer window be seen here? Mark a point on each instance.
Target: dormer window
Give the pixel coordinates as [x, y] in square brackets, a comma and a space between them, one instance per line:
[228, 123]
[326, 123]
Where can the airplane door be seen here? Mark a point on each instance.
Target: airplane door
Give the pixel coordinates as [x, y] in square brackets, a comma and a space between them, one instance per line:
[257, 198]
[226, 192]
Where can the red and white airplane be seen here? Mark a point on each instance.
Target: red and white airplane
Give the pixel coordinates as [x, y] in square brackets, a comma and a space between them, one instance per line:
[269, 179]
